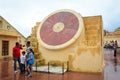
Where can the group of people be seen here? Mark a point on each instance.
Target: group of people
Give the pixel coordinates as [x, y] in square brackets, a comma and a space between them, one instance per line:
[109, 45]
[112, 45]
[25, 61]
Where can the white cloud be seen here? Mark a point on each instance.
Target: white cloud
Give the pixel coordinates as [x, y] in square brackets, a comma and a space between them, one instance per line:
[23, 14]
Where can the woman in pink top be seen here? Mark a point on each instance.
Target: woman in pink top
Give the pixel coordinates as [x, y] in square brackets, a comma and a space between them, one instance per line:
[115, 48]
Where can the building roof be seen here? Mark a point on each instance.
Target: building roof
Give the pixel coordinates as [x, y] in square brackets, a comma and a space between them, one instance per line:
[12, 33]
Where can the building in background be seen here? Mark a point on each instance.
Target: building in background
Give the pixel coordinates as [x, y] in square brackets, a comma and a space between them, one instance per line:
[8, 37]
[112, 36]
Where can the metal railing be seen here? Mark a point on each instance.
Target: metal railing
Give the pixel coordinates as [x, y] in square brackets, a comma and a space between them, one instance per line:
[64, 65]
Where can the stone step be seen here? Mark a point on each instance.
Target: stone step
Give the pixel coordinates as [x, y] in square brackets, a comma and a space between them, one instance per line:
[93, 43]
[92, 37]
[88, 32]
[92, 27]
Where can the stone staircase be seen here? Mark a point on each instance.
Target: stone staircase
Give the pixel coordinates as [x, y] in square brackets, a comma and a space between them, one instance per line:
[93, 31]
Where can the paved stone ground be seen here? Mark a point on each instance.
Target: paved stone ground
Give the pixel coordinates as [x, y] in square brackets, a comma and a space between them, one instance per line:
[111, 71]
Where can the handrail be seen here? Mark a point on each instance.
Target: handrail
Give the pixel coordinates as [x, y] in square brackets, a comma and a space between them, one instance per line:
[49, 64]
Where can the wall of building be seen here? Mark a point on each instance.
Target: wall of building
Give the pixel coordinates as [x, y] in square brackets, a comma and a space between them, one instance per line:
[112, 36]
[11, 40]
[86, 53]
[9, 33]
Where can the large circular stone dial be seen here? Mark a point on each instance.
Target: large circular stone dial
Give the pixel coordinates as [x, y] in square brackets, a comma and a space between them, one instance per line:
[60, 29]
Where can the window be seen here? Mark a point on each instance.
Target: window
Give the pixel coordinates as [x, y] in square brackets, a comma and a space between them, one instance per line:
[5, 48]
[8, 27]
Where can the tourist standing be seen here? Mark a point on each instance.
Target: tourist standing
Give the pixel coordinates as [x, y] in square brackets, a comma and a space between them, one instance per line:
[28, 46]
[22, 59]
[16, 56]
[27, 51]
[115, 48]
[30, 62]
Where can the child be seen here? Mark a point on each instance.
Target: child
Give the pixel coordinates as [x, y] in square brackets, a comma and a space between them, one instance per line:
[30, 62]
[23, 62]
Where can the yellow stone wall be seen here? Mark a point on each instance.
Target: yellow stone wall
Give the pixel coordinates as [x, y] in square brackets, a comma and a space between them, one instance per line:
[34, 41]
[10, 34]
[86, 53]
[11, 40]
[33, 38]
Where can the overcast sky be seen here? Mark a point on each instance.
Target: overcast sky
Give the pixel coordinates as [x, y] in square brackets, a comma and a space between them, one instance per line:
[23, 14]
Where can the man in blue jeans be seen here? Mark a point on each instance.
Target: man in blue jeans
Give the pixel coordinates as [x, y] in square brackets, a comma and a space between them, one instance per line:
[16, 55]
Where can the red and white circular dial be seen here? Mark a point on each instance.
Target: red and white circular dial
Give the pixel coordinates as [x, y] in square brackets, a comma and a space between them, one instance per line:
[60, 29]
